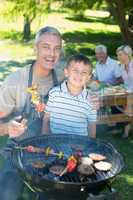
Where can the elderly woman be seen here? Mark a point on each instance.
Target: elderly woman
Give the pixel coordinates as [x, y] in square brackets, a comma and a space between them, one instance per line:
[124, 54]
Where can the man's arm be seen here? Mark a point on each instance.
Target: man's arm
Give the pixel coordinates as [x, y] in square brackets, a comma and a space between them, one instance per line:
[3, 126]
[46, 124]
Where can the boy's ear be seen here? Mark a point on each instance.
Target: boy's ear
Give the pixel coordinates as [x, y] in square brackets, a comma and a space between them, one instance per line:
[66, 72]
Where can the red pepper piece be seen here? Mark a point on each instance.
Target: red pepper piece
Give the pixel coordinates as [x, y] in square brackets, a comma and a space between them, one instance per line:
[71, 164]
[30, 149]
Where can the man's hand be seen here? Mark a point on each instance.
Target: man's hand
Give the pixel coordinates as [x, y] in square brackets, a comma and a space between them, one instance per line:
[15, 129]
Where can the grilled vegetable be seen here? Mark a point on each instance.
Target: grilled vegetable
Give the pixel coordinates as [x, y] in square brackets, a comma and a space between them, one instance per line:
[71, 165]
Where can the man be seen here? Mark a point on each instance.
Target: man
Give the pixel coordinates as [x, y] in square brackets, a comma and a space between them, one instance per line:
[108, 72]
[107, 69]
[15, 101]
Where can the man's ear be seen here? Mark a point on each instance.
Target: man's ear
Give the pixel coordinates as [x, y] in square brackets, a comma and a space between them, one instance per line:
[66, 72]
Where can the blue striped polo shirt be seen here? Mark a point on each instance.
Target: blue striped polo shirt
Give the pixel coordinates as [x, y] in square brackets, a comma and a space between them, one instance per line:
[69, 114]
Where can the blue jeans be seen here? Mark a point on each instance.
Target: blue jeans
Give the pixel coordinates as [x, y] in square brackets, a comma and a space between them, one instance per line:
[11, 185]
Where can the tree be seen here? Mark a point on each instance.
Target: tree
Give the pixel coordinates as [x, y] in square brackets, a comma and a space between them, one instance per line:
[120, 9]
[29, 9]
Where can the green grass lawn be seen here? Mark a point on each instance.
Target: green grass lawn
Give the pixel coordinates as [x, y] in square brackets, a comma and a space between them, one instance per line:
[79, 36]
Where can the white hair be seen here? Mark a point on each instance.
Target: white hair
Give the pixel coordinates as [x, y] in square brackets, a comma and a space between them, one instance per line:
[101, 48]
[47, 30]
[126, 49]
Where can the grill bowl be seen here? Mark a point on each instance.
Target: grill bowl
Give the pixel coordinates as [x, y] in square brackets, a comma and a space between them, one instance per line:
[69, 184]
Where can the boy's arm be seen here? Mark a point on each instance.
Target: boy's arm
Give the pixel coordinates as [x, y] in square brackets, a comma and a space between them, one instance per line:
[92, 130]
[46, 124]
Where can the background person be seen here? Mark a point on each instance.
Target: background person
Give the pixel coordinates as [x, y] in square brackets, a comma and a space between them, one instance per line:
[107, 69]
[124, 54]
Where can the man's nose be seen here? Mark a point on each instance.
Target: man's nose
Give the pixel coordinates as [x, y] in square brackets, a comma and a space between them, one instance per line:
[51, 52]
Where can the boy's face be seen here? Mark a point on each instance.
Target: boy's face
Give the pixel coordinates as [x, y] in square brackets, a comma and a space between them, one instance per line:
[78, 74]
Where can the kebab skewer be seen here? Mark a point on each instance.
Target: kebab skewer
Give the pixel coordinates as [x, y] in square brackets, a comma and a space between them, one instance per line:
[47, 151]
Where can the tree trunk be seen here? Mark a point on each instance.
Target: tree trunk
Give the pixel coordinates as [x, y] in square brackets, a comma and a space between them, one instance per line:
[118, 6]
[122, 21]
[27, 30]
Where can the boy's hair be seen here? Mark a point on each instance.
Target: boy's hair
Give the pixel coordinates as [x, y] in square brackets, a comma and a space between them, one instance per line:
[78, 58]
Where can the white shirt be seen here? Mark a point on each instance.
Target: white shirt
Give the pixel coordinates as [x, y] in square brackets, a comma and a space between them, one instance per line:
[128, 76]
[107, 72]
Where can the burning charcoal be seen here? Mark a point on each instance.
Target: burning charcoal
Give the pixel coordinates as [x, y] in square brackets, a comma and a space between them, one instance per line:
[86, 161]
[97, 157]
[103, 166]
[56, 169]
[85, 169]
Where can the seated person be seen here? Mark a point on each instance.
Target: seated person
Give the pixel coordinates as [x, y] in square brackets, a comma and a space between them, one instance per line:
[124, 54]
[68, 110]
[107, 69]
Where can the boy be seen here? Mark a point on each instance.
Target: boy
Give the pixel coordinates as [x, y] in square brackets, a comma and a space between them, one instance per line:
[68, 110]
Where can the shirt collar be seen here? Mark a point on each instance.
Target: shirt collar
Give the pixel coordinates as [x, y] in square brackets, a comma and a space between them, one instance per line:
[64, 89]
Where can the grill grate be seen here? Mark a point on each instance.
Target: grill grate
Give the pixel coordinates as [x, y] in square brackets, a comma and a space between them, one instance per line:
[68, 144]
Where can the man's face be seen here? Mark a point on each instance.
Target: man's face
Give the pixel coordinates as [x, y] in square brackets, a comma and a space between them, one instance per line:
[78, 74]
[101, 56]
[48, 50]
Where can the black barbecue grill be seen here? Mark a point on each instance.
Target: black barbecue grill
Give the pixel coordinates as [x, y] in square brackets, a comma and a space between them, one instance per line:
[71, 185]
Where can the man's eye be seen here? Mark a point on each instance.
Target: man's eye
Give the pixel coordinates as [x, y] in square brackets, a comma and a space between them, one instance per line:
[45, 47]
[58, 49]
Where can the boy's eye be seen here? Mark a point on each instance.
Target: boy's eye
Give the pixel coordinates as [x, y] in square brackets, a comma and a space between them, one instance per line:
[84, 73]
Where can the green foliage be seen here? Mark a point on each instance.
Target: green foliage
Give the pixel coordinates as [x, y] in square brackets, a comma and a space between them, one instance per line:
[30, 8]
[78, 7]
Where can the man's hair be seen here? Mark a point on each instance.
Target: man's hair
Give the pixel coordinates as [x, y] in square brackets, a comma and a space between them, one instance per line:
[45, 30]
[126, 49]
[78, 58]
[101, 48]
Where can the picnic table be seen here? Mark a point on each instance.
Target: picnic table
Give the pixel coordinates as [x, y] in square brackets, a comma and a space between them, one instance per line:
[115, 96]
